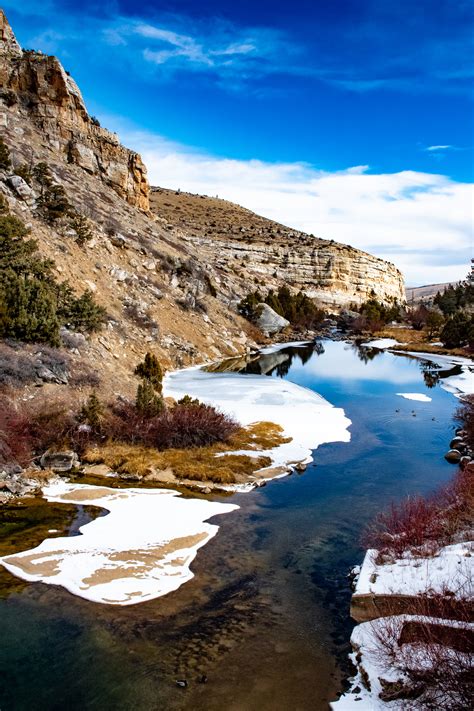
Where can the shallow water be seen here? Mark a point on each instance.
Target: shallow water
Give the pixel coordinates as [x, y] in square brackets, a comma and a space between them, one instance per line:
[265, 618]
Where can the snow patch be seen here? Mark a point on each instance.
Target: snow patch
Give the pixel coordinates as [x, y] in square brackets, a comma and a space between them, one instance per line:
[458, 385]
[141, 550]
[415, 396]
[382, 343]
[305, 416]
[451, 568]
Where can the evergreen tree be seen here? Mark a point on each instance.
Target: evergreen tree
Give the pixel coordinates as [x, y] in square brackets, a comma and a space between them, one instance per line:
[42, 174]
[24, 172]
[92, 412]
[81, 227]
[150, 369]
[53, 203]
[147, 402]
[32, 305]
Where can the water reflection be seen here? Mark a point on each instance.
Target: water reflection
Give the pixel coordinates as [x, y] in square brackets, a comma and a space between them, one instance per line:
[279, 362]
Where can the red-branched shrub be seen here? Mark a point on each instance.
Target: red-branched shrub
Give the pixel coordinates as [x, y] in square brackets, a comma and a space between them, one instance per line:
[191, 426]
[186, 425]
[27, 430]
[406, 525]
[14, 445]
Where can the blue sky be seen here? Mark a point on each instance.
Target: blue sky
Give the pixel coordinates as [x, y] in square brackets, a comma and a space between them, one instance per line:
[307, 100]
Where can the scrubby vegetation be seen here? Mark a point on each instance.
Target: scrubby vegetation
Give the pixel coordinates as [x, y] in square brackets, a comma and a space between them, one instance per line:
[455, 298]
[298, 309]
[27, 430]
[33, 305]
[423, 525]
[426, 524]
[374, 315]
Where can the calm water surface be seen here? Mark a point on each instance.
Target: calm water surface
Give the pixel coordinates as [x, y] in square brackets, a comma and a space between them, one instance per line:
[265, 618]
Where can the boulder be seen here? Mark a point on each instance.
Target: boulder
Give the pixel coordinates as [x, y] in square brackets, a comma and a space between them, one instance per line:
[59, 461]
[22, 189]
[268, 321]
[453, 456]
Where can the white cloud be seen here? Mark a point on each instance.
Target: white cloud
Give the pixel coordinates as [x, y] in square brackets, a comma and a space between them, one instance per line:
[439, 148]
[420, 221]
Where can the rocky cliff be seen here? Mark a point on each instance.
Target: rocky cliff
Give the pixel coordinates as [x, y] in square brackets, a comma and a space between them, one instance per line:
[258, 252]
[36, 88]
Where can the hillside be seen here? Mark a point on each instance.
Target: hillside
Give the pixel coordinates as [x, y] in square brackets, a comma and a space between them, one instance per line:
[248, 247]
[425, 294]
[169, 268]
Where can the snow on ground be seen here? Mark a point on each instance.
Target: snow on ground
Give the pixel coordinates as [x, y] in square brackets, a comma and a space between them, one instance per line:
[462, 384]
[382, 343]
[305, 416]
[377, 664]
[141, 550]
[275, 347]
[415, 396]
[451, 569]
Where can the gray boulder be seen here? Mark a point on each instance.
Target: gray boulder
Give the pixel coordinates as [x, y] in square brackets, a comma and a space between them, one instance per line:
[59, 461]
[22, 189]
[268, 321]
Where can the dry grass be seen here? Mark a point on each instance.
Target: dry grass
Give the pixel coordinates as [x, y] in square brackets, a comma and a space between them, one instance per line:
[198, 464]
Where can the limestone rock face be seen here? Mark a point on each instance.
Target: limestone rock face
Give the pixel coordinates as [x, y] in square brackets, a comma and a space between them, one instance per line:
[37, 85]
[252, 250]
[269, 322]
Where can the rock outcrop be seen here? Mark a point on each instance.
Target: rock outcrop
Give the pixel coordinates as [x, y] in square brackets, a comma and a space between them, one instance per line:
[264, 253]
[35, 87]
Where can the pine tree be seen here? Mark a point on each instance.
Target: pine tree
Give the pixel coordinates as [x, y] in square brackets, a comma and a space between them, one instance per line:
[92, 412]
[81, 227]
[147, 402]
[150, 369]
[53, 203]
[42, 174]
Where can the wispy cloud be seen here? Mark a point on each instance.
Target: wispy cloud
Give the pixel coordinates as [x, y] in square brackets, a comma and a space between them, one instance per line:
[433, 149]
[420, 221]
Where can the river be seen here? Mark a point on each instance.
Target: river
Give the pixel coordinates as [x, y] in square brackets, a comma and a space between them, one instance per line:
[264, 624]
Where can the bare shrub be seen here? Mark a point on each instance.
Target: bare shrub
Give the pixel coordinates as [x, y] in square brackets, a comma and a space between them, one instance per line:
[421, 525]
[83, 375]
[27, 430]
[139, 317]
[434, 660]
[185, 425]
[404, 526]
[16, 367]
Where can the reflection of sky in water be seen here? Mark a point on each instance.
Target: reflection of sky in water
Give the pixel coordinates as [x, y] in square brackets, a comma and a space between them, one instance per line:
[345, 370]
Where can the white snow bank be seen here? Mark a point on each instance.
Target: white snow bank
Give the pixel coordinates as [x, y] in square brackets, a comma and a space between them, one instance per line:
[462, 384]
[305, 416]
[141, 550]
[382, 343]
[451, 569]
[415, 396]
[275, 347]
[378, 664]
